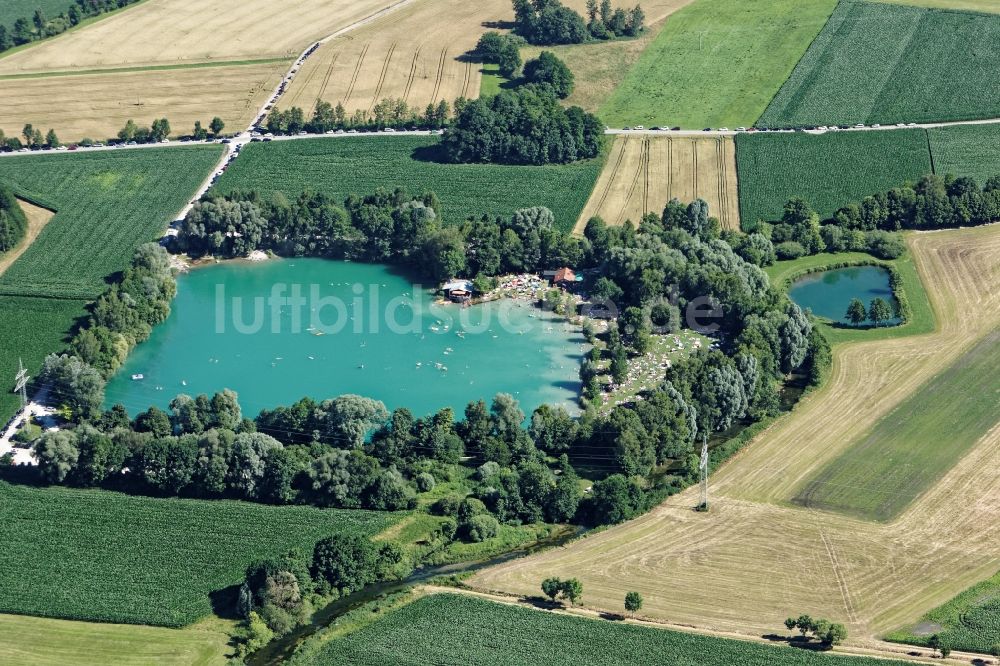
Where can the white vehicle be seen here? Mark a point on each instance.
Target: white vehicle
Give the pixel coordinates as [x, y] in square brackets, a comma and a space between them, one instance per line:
[822, 128]
[876, 125]
[329, 132]
[911, 124]
[639, 127]
[744, 129]
[723, 129]
[859, 126]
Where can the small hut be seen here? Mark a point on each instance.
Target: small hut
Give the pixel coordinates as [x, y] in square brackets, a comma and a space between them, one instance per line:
[458, 291]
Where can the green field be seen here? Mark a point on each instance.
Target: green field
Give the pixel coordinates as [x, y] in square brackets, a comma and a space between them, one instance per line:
[827, 170]
[102, 556]
[11, 10]
[921, 319]
[38, 641]
[456, 629]
[358, 165]
[885, 63]
[716, 63]
[108, 203]
[966, 150]
[970, 621]
[914, 445]
[30, 329]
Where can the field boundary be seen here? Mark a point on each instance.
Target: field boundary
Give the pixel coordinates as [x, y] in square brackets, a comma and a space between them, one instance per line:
[38, 218]
[143, 68]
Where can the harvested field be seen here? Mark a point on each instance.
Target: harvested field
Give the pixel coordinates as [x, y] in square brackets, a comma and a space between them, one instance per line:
[643, 173]
[161, 32]
[767, 559]
[38, 217]
[97, 105]
[412, 53]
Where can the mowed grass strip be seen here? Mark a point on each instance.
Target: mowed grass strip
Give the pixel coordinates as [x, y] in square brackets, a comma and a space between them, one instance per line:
[914, 445]
[458, 629]
[108, 203]
[31, 328]
[827, 170]
[102, 556]
[885, 63]
[37, 641]
[717, 63]
[358, 165]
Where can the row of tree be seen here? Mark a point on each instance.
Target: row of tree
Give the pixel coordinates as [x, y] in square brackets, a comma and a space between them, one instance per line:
[13, 223]
[25, 30]
[933, 202]
[878, 312]
[800, 233]
[390, 112]
[548, 22]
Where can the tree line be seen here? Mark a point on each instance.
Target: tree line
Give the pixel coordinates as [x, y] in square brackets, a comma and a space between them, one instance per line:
[549, 22]
[26, 30]
[932, 202]
[390, 112]
[13, 223]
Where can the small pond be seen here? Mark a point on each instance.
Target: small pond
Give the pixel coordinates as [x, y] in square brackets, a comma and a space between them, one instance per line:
[283, 329]
[828, 293]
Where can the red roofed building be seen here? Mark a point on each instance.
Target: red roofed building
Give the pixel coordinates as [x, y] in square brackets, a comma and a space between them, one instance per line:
[564, 275]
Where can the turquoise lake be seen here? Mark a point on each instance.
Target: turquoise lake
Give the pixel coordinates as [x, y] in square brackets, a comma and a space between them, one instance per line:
[829, 293]
[279, 330]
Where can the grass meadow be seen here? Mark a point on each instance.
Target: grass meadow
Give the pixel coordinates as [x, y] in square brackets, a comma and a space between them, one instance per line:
[886, 63]
[453, 629]
[716, 63]
[358, 165]
[107, 557]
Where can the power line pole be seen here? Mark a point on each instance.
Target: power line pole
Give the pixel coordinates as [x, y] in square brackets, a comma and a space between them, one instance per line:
[21, 383]
[703, 468]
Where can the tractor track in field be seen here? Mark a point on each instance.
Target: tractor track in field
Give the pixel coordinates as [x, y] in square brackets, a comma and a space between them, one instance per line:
[643, 167]
[381, 78]
[440, 74]
[413, 74]
[357, 71]
[328, 77]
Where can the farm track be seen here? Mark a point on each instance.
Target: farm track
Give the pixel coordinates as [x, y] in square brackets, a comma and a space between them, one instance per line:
[768, 559]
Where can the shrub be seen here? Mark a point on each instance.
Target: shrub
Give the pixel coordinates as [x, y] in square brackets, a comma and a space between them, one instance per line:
[425, 482]
[789, 250]
[480, 528]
